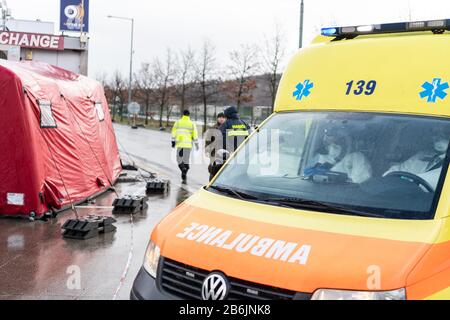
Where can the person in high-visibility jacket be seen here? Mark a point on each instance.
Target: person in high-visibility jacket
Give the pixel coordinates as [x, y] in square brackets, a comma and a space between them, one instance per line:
[184, 137]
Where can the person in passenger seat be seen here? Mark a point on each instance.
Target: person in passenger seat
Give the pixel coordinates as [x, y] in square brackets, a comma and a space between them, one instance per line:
[356, 166]
[340, 159]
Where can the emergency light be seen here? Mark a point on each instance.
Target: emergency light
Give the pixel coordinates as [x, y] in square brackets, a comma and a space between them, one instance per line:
[436, 26]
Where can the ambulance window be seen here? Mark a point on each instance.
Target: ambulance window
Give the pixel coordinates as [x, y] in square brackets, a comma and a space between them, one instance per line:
[375, 165]
[47, 119]
[279, 150]
[100, 112]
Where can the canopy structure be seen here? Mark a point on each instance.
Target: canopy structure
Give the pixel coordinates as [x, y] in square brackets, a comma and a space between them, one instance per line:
[57, 139]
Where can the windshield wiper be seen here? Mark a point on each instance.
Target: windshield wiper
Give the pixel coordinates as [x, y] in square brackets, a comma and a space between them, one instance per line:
[235, 193]
[317, 205]
[295, 203]
[247, 197]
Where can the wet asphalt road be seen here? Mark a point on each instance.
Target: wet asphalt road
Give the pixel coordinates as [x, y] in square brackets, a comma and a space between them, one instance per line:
[153, 149]
[37, 263]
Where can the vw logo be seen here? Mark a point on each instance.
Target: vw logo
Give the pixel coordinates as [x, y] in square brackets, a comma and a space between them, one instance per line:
[215, 287]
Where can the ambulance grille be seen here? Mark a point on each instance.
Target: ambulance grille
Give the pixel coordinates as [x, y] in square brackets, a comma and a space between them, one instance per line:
[185, 282]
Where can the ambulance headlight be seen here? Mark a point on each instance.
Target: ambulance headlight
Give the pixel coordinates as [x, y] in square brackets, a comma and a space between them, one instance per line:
[334, 295]
[151, 260]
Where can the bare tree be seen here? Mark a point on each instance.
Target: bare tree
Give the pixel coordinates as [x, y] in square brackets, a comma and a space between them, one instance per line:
[164, 76]
[273, 55]
[145, 82]
[170, 106]
[118, 88]
[102, 77]
[205, 73]
[186, 76]
[244, 64]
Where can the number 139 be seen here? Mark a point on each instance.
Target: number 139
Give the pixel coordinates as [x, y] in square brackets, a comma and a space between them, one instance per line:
[360, 87]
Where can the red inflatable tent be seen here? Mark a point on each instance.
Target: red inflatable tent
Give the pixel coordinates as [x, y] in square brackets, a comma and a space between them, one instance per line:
[57, 140]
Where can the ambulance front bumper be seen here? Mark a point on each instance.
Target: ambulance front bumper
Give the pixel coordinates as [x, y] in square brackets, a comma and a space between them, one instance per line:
[145, 288]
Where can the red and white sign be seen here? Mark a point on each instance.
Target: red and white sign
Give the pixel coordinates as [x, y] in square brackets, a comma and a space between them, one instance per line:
[32, 40]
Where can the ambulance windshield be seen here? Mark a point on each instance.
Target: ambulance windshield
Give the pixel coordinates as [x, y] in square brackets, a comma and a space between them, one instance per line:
[376, 165]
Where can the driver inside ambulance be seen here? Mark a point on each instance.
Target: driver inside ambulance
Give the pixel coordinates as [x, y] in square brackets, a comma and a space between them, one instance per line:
[427, 164]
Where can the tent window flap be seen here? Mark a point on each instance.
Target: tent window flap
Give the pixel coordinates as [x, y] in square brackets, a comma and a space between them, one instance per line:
[100, 112]
[47, 119]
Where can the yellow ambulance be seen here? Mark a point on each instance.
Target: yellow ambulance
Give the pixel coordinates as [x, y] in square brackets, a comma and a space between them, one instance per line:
[343, 193]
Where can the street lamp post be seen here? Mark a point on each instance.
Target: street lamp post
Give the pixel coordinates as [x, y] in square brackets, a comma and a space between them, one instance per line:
[5, 13]
[302, 14]
[131, 53]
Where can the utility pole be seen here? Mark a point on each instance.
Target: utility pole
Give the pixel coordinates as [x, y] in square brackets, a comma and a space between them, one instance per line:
[82, 22]
[409, 11]
[131, 62]
[302, 15]
[83, 42]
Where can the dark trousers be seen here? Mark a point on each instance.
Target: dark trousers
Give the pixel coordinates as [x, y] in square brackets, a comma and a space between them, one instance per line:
[183, 159]
[214, 170]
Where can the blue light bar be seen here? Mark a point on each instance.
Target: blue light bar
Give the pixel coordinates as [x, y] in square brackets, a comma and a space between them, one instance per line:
[329, 32]
[436, 26]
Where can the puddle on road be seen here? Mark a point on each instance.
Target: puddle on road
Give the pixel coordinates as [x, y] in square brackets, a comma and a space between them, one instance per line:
[34, 258]
[182, 195]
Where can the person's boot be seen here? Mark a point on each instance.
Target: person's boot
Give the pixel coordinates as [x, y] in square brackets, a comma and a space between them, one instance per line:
[184, 173]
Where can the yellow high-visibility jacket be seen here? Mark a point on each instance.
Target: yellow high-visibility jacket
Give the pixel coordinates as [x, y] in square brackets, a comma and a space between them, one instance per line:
[184, 133]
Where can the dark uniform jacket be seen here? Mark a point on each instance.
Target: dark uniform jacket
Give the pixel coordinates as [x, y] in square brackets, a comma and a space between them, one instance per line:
[234, 130]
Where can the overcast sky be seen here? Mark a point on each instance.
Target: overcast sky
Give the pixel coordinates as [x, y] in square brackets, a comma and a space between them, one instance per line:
[179, 24]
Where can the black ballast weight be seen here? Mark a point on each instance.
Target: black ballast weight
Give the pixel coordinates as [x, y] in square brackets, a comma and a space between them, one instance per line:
[130, 205]
[158, 186]
[88, 228]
